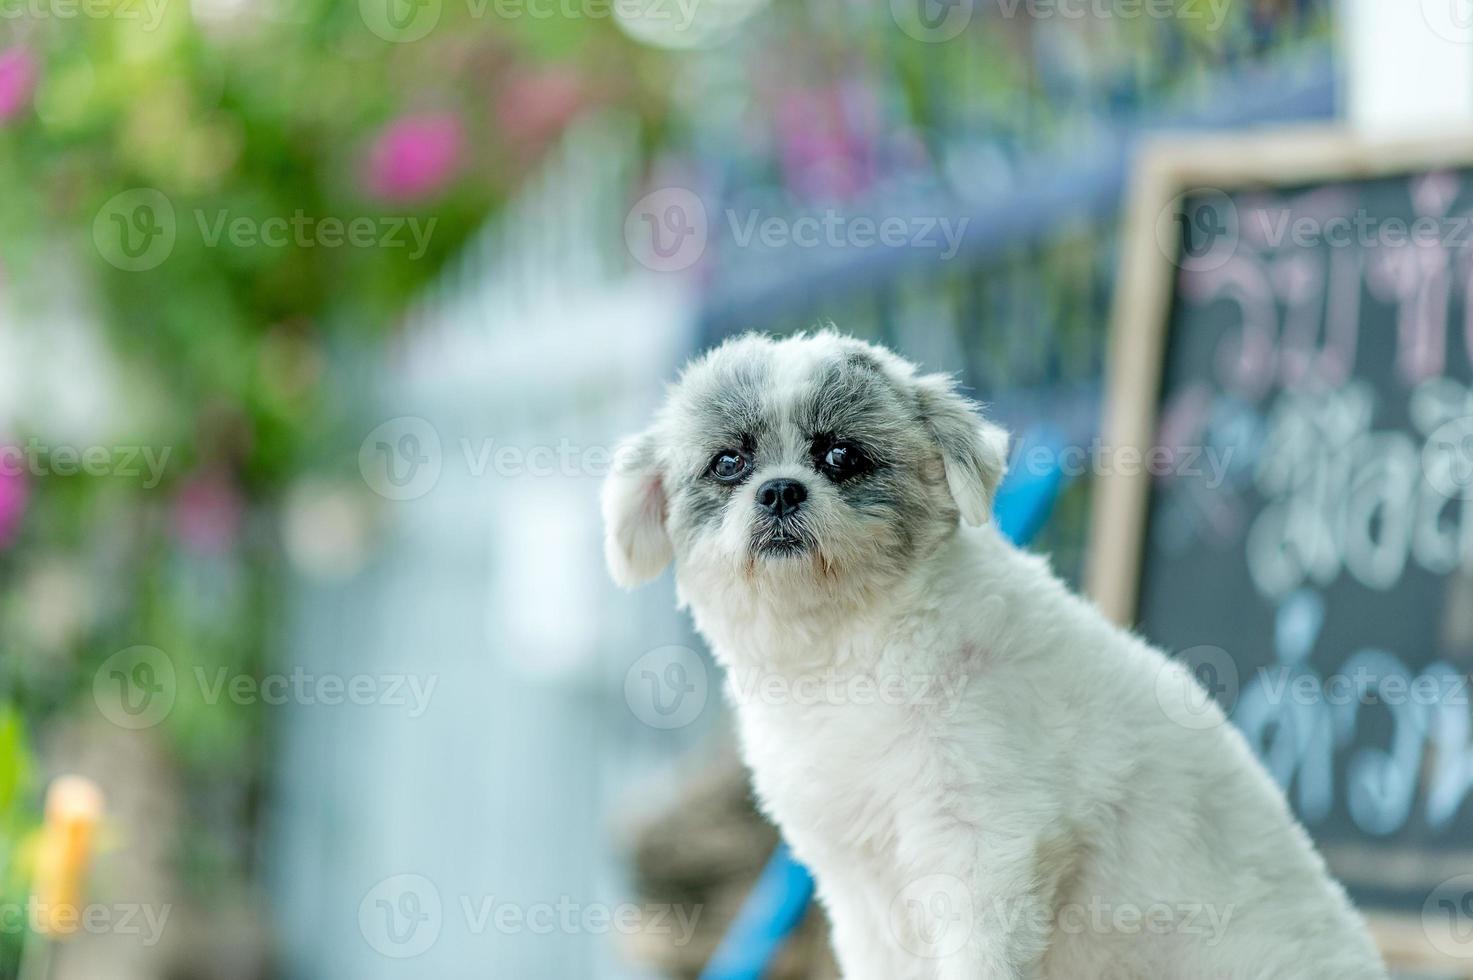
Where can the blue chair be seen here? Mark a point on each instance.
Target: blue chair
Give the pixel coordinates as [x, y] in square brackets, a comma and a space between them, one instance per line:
[780, 898]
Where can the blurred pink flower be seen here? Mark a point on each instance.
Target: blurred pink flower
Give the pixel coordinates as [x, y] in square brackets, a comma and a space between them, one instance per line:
[207, 513]
[828, 140]
[13, 495]
[414, 157]
[17, 81]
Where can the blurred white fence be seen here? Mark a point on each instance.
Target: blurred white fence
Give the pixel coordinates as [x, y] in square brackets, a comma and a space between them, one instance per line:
[398, 839]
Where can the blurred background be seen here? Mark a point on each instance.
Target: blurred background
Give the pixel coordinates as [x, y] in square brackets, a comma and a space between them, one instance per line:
[318, 321]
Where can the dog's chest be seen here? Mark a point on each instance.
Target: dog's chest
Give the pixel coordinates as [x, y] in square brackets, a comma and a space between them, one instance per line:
[831, 773]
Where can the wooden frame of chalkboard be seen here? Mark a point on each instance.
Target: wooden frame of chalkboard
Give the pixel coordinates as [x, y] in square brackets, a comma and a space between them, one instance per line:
[1151, 254]
[1166, 170]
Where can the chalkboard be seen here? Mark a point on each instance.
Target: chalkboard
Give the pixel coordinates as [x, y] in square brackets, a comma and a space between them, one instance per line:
[1285, 488]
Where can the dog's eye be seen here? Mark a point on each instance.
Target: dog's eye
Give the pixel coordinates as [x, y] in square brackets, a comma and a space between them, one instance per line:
[841, 460]
[728, 466]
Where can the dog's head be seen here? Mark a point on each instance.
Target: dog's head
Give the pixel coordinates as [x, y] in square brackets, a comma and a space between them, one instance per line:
[817, 463]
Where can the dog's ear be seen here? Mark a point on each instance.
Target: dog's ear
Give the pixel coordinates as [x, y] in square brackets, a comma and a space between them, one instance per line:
[974, 451]
[636, 544]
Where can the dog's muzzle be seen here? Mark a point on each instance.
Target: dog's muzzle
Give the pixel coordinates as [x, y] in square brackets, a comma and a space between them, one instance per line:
[780, 529]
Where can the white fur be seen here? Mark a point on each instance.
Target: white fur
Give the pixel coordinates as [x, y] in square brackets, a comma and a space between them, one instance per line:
[636, 546]
[1037, 804]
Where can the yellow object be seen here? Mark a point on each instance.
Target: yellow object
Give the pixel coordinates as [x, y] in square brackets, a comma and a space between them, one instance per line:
[73, 810]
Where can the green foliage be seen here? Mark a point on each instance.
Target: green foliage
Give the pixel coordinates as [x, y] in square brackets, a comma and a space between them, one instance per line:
[17, 820]
[272, 116]
[259, 135]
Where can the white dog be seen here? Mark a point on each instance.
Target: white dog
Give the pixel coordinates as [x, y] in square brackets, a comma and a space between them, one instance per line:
[988, 779]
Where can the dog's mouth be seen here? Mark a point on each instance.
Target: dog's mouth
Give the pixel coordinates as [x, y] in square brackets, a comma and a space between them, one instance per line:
[779, 545]
[780, 540]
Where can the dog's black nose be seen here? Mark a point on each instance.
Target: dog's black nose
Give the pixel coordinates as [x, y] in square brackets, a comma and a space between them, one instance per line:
[781, 497]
